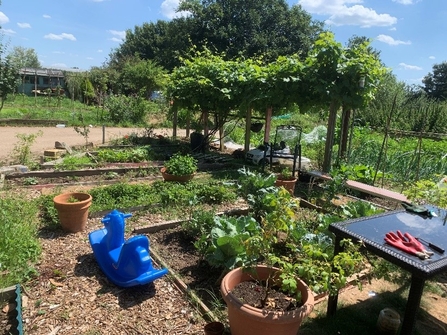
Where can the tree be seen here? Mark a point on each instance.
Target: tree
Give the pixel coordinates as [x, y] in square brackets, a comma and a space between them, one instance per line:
[9, 76]
[141, 76]
[252, 27]
[162, 42]
[23, 57]
[436, 82]
[236, 28]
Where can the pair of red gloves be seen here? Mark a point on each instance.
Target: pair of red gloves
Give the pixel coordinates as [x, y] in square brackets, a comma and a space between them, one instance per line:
[407, 243]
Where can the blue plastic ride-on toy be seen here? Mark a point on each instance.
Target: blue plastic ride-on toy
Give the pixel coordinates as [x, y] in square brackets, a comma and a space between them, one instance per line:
[125, 263]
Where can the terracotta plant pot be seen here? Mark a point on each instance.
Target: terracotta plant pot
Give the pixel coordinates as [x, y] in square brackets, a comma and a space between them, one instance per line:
[245, 319]
[172, 177]
[214, 328]
[288, 184]
[73, 215]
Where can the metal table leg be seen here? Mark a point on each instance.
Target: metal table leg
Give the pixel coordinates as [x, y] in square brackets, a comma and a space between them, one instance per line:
[413, 302]
[333, 299]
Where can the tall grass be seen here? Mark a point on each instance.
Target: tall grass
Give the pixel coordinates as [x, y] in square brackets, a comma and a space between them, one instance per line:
[20, 106]
[19, 244]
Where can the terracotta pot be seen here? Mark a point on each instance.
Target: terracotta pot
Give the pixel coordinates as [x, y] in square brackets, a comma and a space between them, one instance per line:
[73, 215]
[245, 319]
[288, 184]
[214, 328]
[172, 177]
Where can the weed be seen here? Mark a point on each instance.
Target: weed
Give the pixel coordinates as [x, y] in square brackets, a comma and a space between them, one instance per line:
[22, 150]
[30, 181]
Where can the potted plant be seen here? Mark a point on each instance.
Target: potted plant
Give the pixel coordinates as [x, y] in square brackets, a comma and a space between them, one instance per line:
[72, 209]
[287, 179]
[179, 168]
[286, 252]
[257, 264]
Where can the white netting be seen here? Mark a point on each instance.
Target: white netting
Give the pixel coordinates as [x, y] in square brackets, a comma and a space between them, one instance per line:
[316, 135]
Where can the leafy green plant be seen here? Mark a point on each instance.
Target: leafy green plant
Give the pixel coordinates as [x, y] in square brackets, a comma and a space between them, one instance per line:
[30, 181]
[73, 162]
[84, 129]
[22, 150]
[180, 165]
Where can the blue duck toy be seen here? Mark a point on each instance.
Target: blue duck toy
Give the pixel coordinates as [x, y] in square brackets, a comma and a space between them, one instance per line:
[125, 263]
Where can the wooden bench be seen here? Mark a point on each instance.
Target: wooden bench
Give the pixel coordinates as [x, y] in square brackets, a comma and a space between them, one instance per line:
[365, 188]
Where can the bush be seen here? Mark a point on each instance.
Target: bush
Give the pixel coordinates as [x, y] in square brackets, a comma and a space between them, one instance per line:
[126, 110]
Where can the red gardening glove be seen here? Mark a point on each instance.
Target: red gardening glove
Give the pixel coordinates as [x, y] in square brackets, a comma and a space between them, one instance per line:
[410, 241]
[394, 240]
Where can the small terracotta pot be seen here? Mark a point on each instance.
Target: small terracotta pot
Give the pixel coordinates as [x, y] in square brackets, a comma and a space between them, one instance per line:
[171, 177]
[246, 319]
[73, 215]
[214, 328]
[288, 184]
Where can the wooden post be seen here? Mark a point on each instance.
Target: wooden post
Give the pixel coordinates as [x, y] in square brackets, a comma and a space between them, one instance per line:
[174, 121]
[268, 120]
[247, 129]
[330, 137]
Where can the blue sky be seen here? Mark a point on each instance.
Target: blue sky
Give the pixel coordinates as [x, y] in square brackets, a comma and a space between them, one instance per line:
[82, 33]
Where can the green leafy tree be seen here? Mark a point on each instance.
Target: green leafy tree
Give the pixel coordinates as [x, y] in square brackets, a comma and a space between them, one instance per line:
[141, 76]
[436, 82]
[235, 28]
[22, 57]
[162, 41]
[9, 76]
[252, 27]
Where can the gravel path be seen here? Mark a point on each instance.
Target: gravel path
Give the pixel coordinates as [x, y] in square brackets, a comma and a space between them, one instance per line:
[8, 136]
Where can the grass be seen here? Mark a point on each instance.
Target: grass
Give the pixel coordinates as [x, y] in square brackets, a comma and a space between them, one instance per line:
[20, 106]
[19, 245]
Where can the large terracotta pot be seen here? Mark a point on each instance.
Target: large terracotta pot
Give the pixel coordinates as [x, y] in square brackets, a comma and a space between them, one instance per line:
[73, 215]
[245, 319]
[288, 184]
[172, 177]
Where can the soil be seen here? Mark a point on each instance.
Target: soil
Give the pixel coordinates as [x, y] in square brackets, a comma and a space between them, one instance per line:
[71, 295]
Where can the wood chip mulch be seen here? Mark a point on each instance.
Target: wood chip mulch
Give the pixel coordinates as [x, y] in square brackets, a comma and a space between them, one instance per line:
[71, 295]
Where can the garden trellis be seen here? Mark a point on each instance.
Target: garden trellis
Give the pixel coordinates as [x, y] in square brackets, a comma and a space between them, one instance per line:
[328, 76]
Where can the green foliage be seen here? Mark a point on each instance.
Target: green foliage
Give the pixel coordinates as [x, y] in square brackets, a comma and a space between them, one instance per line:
[139, 154]
[122, 195]
[180, 165]
[84, 130]
[126, 109]
[428, 192]
[73, 162]
[22, 150]
[19, 243]
[436, 82]
[228, 237]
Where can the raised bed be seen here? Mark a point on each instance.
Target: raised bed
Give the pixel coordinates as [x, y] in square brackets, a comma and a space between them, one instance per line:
[11, 300]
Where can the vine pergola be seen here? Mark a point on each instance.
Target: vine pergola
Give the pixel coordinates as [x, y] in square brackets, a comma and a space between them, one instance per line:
[330, 76]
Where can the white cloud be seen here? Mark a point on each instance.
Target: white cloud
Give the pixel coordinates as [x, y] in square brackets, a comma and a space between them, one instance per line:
[410, 67]
[90, 58]
[7, 31]
[432, 57]
[169, 9]
[3, 18]
[63, 36]
[341, 13]
[46, 16]
[119, 36]
[23, 25]
[391, 41]
[100, 50]
[404, 2]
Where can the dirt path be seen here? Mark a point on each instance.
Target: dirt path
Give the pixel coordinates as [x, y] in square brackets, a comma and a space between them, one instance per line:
[8, 137]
